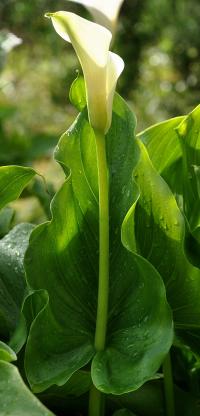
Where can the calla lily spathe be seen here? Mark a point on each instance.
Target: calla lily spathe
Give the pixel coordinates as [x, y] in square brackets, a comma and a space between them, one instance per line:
[104, 12]
[101, 68]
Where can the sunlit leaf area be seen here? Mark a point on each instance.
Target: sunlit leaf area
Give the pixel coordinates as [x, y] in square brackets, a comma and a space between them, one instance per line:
[99, 208]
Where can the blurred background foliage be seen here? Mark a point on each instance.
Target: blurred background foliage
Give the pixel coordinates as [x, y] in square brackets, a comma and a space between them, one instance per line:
[159, 42]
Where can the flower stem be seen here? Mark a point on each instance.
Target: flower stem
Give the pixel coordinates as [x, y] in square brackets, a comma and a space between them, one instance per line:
[96, 406]
[168, 386]
[96, 402]
[102, 305]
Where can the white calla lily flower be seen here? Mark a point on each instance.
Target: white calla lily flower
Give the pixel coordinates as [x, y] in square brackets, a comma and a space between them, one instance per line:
[101, 68]
[104, 12]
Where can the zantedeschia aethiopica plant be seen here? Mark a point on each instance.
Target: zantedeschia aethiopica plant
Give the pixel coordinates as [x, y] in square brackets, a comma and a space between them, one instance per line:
[92, 314]
[101, 70]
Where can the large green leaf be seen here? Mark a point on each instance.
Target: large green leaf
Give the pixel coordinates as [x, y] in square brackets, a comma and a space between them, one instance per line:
[12, 279]
[174, 149]
[159, 237]
[76, 386]
[62, 258]
[15, 397]
[188, 133]
[162, 143]
[13, 180]
[189, 136]
[164, 148]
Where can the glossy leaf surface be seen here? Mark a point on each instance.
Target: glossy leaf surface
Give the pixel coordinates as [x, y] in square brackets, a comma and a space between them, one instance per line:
[63, 259]
[77, 385]
[162, 143]
[15, 398]
[6, 353]
[12, 279]
[160, 234]
[164, 148]
[188, 133]
[174, 149]
[189, 137]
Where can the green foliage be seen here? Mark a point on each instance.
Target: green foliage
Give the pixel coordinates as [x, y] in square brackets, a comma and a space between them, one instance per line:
[148, 254]
[149, 401]
[6, 218]
[15, 398]
[134, 325]
[13, 180]
[6, 353]
[179, 168]
[158, 217]
[20, 147]
[12, 279]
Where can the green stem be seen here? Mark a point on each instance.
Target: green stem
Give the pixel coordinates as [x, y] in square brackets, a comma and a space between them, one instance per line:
[168, 386]
[96, 401]
[103, 289]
